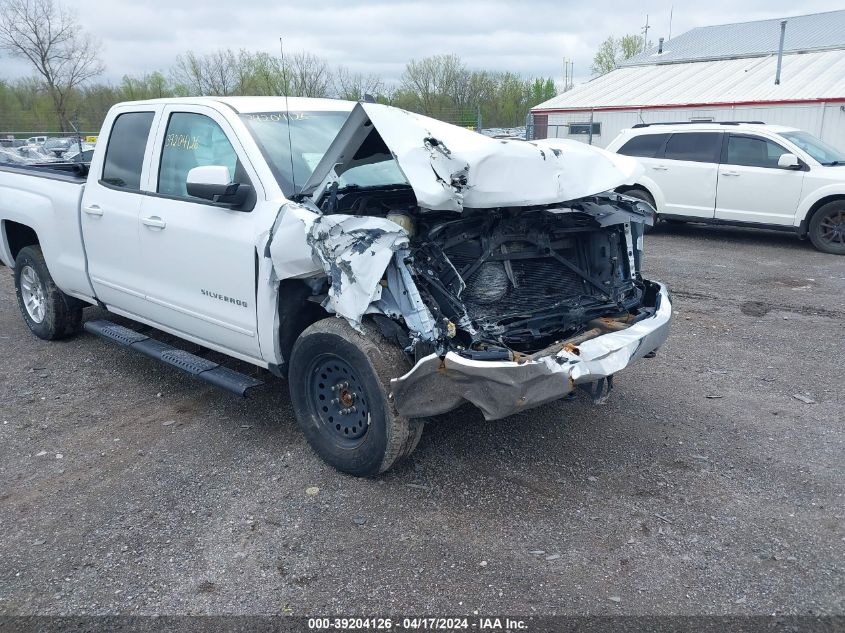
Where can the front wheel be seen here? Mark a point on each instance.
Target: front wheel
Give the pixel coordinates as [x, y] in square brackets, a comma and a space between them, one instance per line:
[339, 379]
[48, 312]
[827, 228]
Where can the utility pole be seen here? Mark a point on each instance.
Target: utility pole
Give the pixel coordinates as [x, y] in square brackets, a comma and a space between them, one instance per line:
[568, 66]
[671, 11]
[565, 73]
[645, 33]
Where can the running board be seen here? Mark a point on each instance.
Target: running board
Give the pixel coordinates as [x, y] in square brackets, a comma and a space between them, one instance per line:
[197, 367]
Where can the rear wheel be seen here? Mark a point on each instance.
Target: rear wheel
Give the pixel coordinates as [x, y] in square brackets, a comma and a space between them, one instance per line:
[339, 379]
[827, 228]
[48, 312]
[645, 196]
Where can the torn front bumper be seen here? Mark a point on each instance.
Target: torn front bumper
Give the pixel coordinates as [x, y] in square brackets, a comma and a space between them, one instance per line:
[436, 385]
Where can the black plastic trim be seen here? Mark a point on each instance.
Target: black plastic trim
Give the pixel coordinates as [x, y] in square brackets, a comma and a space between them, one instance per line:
[739, 223]
[196, 366]
[38, 171]
[642, 125]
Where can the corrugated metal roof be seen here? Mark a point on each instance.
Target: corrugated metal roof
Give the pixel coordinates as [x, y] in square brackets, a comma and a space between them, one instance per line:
[746, 39]
[804, 77]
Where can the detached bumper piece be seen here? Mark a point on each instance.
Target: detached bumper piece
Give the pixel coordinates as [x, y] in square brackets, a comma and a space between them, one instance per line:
[205, 370]
[436, 385]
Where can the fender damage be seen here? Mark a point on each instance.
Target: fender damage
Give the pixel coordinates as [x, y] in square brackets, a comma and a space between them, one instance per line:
[500, 267]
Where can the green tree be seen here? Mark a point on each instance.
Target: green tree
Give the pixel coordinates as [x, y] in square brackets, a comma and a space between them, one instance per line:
[613, 52]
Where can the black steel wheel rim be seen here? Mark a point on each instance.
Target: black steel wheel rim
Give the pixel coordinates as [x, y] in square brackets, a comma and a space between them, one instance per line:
[832, 227]
[337, 400]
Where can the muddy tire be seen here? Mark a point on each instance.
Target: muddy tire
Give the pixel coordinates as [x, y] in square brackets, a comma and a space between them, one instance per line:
[645, 196]
[48, 312]
[339, 382]
[827, 228]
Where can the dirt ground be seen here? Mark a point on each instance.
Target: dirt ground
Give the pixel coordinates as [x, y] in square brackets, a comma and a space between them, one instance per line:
[705, 486]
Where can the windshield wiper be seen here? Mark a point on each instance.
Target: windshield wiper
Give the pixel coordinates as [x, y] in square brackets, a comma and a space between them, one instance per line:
[834, 163]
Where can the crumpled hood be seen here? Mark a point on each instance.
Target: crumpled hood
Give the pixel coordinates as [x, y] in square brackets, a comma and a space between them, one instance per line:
[451, 168]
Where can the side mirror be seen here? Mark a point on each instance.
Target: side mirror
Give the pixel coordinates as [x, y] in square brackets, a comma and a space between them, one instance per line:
[789, 161]
[213, 182]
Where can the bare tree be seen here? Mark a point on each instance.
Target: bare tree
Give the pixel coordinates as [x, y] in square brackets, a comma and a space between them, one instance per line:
[188, 73]
[48, 36]
[217, 73]
[433, 80]
[309, 74]
[353, 86]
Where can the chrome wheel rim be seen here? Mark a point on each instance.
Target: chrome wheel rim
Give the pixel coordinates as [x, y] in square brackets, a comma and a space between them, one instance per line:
[32, 293]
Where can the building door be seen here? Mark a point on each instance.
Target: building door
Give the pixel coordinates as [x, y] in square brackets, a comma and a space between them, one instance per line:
[541, 126]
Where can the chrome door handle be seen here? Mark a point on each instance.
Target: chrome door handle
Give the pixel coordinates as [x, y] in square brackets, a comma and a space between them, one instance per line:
[659, 167]
[93, 209]
[154, 222]
[730, 173]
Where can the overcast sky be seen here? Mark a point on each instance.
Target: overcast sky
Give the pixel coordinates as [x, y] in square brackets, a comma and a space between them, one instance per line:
[530, 37]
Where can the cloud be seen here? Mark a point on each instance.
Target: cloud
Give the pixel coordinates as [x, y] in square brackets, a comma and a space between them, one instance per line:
[380, 36]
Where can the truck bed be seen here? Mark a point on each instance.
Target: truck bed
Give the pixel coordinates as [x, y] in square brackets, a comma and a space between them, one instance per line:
[47, 200]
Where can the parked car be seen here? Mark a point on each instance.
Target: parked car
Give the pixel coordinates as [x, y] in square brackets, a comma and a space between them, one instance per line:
[747, 174]
[58, 146]
[34, 153]
[391, 266]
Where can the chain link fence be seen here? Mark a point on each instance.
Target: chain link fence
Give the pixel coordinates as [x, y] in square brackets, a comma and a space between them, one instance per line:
[469, 117]
[579, 126]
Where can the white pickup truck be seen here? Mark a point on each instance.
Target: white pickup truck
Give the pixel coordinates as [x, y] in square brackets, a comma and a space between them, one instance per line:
[391, 266]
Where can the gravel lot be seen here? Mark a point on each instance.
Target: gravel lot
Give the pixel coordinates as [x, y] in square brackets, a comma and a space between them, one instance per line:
[703, 486]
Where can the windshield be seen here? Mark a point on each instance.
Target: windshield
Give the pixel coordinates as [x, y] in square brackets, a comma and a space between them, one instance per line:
[311, 133]
[816, 148]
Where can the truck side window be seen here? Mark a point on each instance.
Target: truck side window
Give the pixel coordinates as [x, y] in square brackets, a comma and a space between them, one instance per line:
[697, 147]
[751, 151]
[194, 140]
[126, 149]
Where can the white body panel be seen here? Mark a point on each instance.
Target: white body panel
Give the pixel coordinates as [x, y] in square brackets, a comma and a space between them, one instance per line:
[686, 188]
[199, 260]
[109, 220]
[758, 194]
[472, 170]
[51, 208]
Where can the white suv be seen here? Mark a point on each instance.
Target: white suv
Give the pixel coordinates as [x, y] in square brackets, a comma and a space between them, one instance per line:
[748, 174]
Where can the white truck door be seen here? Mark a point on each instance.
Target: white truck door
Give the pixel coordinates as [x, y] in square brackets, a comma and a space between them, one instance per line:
[687, 172]
[752, 188]
[110, 207]
[199, 258]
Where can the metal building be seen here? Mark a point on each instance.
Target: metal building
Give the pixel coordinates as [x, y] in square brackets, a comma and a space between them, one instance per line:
[722, 73]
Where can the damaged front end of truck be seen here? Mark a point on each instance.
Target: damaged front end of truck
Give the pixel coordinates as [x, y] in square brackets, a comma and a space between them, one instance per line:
[507, 271]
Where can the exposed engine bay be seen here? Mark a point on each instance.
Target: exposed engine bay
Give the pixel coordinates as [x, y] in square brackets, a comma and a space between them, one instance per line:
[498, 266]
[504, 283]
